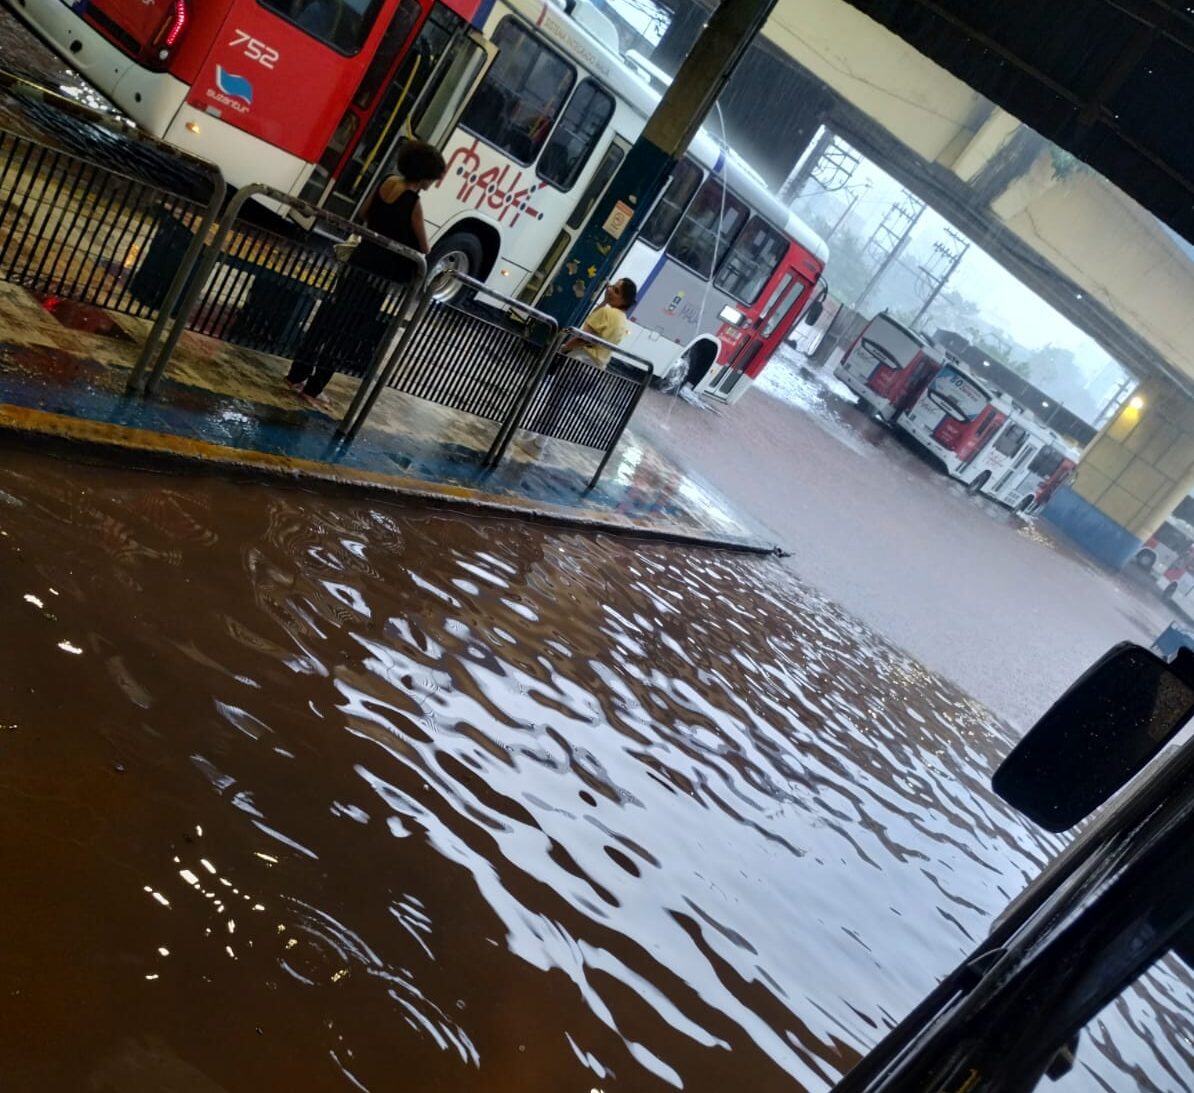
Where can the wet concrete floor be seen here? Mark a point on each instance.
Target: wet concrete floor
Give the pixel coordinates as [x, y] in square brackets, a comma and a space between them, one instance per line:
[315, 795]
[987, 598]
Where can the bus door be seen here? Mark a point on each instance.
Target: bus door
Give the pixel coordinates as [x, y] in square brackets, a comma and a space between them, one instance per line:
[749, 336]
[1014, 482]
[420, 85]
[577, 220]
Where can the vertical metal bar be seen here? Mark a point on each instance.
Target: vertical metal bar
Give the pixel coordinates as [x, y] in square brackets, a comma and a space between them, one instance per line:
[187, 268]
[74, 252]
[502, 440]
[476, 338]
[10, 217]
[368, 393]
[94, 251]
[52, 239]
[26, 191]
[650, 372]
[187, 304]
[233, 286]
[124, 242]
[44, 175]
[410, 373]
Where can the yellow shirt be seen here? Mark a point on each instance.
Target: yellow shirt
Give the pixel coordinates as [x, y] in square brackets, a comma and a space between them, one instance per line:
[609, 324]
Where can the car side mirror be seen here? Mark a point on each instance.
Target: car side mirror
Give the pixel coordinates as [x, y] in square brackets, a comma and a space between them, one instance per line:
[1100, 734]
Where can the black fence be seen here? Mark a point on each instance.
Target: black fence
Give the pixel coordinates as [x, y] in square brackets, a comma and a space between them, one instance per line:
[100, 136]
[468, 353]
[94, 211]
[299, 293]
[83, 228]
[584, 393]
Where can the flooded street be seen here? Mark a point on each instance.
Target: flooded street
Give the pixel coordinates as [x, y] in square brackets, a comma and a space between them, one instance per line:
[327, 794]
[984, 597]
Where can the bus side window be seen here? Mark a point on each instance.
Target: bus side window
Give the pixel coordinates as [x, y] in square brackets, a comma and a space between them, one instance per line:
[521, 95]
[1009, 443]
[576, 135]
[605, 171]
[751, 261]
[342, 24]
[666, 215]
[709, 228]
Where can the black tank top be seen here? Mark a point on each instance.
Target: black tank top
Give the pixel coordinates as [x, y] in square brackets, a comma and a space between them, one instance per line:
[394, 220]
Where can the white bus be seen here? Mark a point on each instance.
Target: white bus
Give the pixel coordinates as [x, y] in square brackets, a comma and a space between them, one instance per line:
[1043, 454]
[888, 366]
[723, 269]
[534, 110]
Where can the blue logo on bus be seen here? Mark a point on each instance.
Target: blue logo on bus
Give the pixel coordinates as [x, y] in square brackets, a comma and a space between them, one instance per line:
[235, 87]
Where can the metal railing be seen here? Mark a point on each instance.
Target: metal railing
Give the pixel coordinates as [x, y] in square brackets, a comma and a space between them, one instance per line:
[82, 201]
[94, 210]
[287, 294]
[575, 399]
[471, 358]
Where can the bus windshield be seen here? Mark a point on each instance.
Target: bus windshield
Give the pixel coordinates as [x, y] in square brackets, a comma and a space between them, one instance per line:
[957, 395]
[342, 24]
[891, 343]
[1046, 462]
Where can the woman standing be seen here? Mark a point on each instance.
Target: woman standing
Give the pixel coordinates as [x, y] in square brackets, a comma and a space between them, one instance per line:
[347, 326]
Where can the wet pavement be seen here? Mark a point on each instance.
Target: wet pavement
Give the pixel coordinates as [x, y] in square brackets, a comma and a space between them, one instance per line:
[326, 795]
[63, 371]
[984, 597]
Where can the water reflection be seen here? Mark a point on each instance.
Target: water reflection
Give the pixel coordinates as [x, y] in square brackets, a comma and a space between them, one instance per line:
[350, 797]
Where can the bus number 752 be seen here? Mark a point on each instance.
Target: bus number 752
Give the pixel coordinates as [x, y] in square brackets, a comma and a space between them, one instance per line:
[255, 49]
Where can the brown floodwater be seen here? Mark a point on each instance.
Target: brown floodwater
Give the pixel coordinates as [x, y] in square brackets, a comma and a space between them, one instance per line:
[313, 794]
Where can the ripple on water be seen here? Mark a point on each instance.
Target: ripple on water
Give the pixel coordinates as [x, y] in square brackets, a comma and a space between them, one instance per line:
[337, 796]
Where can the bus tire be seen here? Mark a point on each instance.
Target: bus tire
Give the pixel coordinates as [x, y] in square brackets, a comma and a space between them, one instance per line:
[975, 487]
[1146, 559]
[461, 252]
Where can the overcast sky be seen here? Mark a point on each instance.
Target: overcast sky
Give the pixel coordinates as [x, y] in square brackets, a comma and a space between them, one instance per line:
[1003, 299]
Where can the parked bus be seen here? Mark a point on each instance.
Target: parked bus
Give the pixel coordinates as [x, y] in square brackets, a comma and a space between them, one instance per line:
[1176, 585]
[1172, 541]
[1061, 474]
[888, 366]
[534, 110]
[266, 90]
[1042, 457]
[957, 420]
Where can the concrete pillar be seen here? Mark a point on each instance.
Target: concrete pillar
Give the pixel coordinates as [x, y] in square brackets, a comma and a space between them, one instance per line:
[619, 213]
[1131, 477]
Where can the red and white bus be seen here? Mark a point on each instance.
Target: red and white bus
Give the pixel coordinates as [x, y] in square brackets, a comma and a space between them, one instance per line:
[958, 421]
[1062, 474]
[533, 108]
[266, 89]
[1042, 465]
[1167, 546]
[888, 366]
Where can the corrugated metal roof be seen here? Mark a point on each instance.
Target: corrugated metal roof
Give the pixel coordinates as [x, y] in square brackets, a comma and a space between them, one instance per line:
[1111, 81]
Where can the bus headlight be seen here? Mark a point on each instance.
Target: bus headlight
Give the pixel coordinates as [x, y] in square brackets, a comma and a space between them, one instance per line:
[731, 315]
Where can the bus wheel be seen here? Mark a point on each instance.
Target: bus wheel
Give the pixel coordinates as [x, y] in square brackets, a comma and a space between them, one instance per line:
[460, 252]
[1146, 559]
[976, 487]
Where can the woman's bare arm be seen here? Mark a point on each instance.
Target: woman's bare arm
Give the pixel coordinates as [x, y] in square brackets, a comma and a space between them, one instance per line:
[420, 229]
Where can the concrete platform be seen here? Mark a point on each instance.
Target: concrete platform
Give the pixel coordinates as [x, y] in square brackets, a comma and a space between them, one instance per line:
[63, 369]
